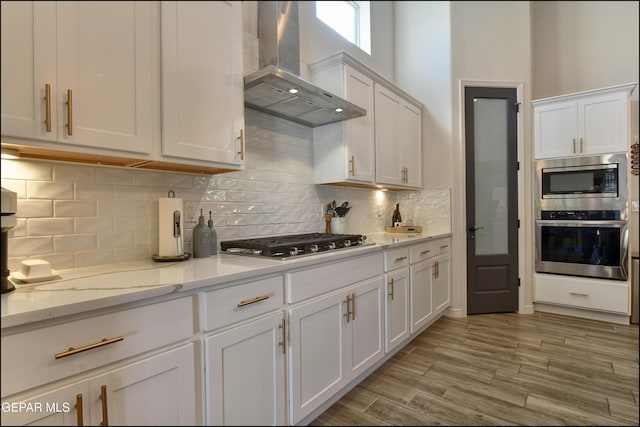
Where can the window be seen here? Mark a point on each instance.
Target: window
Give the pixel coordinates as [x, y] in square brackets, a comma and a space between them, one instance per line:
[350, 19]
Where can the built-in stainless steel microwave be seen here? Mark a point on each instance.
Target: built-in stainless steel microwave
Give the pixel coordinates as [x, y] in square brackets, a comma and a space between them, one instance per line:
[582, 182]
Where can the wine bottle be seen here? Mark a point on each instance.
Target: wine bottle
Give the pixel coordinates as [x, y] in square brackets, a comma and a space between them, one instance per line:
[397, 218]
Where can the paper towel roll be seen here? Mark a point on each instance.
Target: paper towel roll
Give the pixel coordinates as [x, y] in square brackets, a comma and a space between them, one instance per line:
[170, 226]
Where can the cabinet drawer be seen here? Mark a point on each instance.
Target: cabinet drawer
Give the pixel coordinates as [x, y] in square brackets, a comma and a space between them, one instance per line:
[303, 284]
[396, 258]
[43, 355]
[429, 249]
[240, 302]
[605, 295]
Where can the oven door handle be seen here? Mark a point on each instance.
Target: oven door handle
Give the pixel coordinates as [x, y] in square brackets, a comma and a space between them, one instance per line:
[579, 223]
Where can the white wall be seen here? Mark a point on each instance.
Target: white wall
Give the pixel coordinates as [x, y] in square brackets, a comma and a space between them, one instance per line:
[582, 45]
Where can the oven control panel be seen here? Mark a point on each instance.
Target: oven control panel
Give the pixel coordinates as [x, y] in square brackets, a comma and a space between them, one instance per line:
[582, 215]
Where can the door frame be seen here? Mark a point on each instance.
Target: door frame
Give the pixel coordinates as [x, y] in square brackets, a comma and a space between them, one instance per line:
[525, 290]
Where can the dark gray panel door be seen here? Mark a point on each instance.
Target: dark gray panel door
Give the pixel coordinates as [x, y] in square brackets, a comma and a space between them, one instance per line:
[491, 193]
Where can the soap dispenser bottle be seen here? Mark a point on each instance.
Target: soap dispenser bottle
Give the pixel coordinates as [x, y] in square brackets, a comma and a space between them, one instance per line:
[214, 236]
[201, 239]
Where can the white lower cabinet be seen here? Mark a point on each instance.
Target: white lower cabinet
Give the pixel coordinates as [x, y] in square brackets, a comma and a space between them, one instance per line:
[421, 284]
[334, 338]
[245, 354]
[246, 374]
[83, 371]
[440, 287]
[158, 390]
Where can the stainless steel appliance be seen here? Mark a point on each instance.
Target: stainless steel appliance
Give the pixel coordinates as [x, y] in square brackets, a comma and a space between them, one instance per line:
[635, 290]
[588, 182]
[9, 207]
[581, 209]
[293, 245]
[582, 243]
[277, 87]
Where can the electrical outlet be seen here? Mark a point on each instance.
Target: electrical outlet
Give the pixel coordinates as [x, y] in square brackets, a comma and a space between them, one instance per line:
[635, 206]
[191, 213]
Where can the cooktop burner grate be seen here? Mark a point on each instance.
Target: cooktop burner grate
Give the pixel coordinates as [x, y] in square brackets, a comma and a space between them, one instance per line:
[292, 245]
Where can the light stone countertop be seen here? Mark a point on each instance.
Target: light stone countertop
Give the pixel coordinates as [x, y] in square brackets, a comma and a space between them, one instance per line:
[91, 288]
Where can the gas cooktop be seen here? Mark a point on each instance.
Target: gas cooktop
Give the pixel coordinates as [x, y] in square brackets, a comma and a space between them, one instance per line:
[293, 245]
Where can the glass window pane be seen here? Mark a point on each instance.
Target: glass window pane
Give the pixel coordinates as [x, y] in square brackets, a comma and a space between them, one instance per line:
[339, 15]
[490, 136]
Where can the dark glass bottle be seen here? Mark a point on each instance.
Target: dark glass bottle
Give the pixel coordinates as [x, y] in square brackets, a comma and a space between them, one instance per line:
[201, 239]
[397, 218]
[214, 236]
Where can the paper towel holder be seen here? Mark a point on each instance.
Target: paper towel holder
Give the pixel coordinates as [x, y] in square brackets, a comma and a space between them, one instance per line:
[176, 226]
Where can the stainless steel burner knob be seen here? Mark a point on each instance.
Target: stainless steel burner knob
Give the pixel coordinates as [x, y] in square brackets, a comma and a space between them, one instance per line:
[347, 243]
[293, 251]
[332, 245]
[314, 248]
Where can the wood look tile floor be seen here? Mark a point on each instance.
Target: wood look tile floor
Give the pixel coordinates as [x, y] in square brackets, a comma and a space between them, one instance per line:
[502, 369]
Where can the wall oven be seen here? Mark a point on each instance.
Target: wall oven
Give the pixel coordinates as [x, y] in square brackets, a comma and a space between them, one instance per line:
[581, 224]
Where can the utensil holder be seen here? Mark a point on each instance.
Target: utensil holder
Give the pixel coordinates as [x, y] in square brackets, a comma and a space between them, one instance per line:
[339, 225]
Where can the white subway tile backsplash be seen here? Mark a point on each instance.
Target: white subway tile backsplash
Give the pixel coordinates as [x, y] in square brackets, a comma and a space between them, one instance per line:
[63, 172]
[75, 243]
[35, 208]
[74, 208]
[81, 215]
[29, 171]
[49, 226]
[50, 190]
[29, 246]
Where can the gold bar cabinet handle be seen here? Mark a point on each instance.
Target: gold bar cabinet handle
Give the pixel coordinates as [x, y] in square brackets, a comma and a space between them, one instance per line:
[391, 287]
[580, 294]
[581, 144]
[352, 169]
[253, 301]
[72, 350]
[437, 269]
[105, 410]
[444, 246]
[353, 306]
[47, 107]
[80, 417]
[70, 112]
[348, 302]
[241, 138]
[400, 258]
[425, 252]
[283, 343]
[574, 146]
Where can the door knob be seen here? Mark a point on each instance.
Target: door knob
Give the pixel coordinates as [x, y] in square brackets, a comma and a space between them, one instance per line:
[474, 229]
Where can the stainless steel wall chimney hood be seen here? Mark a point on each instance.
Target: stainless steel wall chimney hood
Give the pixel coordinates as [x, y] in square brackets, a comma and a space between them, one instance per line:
[277, 87]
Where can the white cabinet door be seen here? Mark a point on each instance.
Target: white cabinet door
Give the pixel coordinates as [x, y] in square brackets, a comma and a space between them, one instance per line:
[396, 308]
[410, 138]
[583, 124]
[421, 275]
[28, 66]
[202, 81]
[555, 129]
[603, 123]
[246, 374]
[318, 340]
[365, 330]
[387, 124]
[58, 407]
[441, 287]
[105, 69]
[160, 390]
[360, 136]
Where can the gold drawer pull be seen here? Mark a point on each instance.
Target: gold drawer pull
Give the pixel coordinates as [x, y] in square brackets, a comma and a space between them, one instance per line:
[47, 107]
[105, 408]
[283, 343]
[241, 138]
[392, 289]
[252, 301]
[400, 258]
[72, 350]
[444, 246]
[580, 294]
[69, 112]
[79, 415]
[425, 252]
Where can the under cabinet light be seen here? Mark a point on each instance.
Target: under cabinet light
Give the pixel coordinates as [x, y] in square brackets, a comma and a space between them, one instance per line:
[10, 154]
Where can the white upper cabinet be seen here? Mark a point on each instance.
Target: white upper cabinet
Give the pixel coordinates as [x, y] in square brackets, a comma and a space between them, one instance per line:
[585, 123]
[68, 77]
[202, 81]
[345, 151]
[383, 148]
